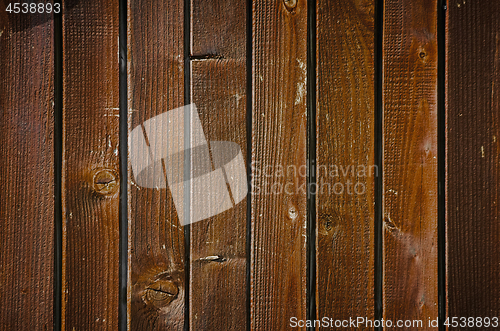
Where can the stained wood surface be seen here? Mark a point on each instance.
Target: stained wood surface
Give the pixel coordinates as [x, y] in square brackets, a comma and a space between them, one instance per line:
[90, 188]
[26, 171]
[218, 288]
[156, 240]
[279, 124]
[410, 160]
[472, 161]
[345, 169]
[217, 256]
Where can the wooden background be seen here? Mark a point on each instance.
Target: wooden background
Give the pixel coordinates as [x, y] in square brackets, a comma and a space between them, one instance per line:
[406, 88]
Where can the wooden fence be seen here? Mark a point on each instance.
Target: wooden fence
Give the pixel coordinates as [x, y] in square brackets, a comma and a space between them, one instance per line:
[388, 110]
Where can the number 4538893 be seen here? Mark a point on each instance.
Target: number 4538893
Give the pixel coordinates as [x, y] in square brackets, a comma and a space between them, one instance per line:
[34, 8]
[472, 322]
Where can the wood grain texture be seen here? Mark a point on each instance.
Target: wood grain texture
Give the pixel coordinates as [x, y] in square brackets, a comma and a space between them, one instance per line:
[26, 171]
[156, 239]
[410, 160]
[345, 158]
[218, 28]
[279, 134]
[90, 189]
[218, 289]
[472, 160]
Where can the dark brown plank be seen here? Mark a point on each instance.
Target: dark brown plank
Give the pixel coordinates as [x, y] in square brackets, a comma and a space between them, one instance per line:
[345, 143]
[218, 245]
[218, 251]
[90, 166]
[410, 160]
[472, 160]
[218, 28]
[156, 241]
[26, 171]
[279, 120]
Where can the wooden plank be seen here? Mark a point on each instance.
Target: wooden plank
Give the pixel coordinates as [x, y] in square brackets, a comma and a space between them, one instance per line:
[26, 170]
[218, 28]
[345, 168]
[156, 287]
[410, 160]
[218, 285]
[279, 134]
[90, 166]
[472, 160]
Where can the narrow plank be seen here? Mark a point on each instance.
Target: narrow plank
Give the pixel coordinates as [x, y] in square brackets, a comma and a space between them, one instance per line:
[279, 135]
[345, 159]
[218, 287]
[26, 171]
[410, 160]
[156, 240]
[90, 166]
[472, 160]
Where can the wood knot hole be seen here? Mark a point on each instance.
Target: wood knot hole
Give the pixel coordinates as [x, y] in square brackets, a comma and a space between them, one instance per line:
[422, 55]
[293, 213]
[161, 293]
[105, 181]
[290, 4]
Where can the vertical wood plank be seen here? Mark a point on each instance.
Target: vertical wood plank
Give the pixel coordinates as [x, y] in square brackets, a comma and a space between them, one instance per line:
[218, 84]
[345, 159]
[26, 171]
[410, 160]
[90, 166]
[472, 160]
[279, 192]
[156, 239]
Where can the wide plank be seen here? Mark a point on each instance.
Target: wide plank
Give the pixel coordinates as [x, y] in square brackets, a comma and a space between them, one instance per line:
[156, 283]
[472, 159]
[26, 170]
[410, 161]
[278, 164]
[218, 265]
[90, 171]
[345, 168]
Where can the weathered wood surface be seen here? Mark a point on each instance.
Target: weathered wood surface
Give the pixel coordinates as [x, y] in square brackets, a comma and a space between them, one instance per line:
[345, 168]
[410, 160]
[279, 124]
[218, 288]
[472, 160]
[90, 171]
[26, 171]
[156, 240]
[217, 257]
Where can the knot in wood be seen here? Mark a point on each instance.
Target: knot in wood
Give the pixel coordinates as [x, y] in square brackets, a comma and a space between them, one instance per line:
[292, 212]
[290, 4]
[161, 293]
[105, 181]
